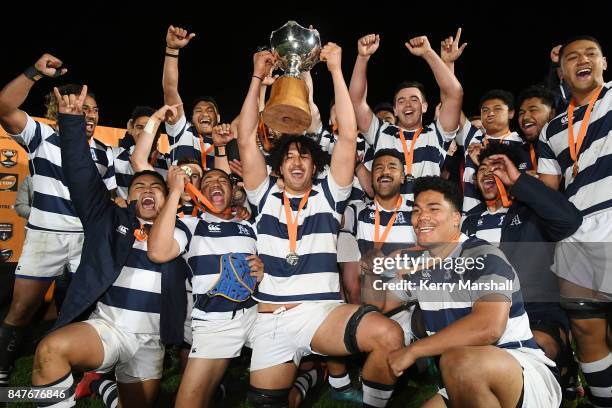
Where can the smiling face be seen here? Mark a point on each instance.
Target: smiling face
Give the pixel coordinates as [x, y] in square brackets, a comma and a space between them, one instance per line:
[205, 117]
[387, 176]
[217, 188]
[435, 220]
[297, 170]
[195, 179]
[533, 115]
[138, 126]
[486, 181]
[409, 108]
[495, 116]
[150, 195]
[90, 110]
[582, 66]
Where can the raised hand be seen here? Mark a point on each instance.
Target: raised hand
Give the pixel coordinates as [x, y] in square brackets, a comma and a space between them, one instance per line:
[554, 54]
[450, 51]
[332, 55]
[269, 79]
[176, 179]
[474, 151]
[167, 113]
[50, 66]
[503, 168]
[368, 44]
[419, 46]
[222, 134]
[70, 104]
[263, 62]
[177, 37]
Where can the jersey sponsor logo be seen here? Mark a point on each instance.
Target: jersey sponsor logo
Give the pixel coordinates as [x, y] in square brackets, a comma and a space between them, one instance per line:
[480, 222]
[372, 215]
[122, 229]
[6, 231]
[8, 182]
[8, 157]
[564, 120]
[214, 228]
[5, 254]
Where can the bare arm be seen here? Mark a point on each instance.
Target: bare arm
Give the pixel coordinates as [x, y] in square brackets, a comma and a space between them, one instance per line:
[176, 38]
[253, 162]
[343, 158]
[365, 179]
[366, 46]
[140, 157]
[14, 94]
[450, 51]
[161, 245]
[451, 92]
[315, 125]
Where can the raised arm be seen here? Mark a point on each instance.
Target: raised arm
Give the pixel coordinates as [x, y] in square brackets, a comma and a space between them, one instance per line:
[142, 150]
[253, 162]
[176, 38]
[450, 51]
[451, 92]
[343, 158]
[161, 245]
[315, 124]
[366, 46]
[14, 94]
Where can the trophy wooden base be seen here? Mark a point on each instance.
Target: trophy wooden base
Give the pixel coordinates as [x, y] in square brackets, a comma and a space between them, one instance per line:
[287, 110]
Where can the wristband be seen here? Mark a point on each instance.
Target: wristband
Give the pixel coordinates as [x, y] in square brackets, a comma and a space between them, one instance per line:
[150, 126]
[255, 76]
[33, 74]
[220, 151]
[171, 55]
[172, 51]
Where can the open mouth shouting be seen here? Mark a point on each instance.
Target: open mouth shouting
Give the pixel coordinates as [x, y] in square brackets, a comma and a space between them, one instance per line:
[297, 173]
[90, 125]
[385, 181]
[217, 197]
[489, 185]
[583, 73]
[147, 203]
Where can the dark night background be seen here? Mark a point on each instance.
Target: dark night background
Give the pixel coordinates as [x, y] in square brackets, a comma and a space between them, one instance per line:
[118, 52]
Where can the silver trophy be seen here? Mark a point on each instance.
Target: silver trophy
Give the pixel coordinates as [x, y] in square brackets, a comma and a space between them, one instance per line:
[297, 50]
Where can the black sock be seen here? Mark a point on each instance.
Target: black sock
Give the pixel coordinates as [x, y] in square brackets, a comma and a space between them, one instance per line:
[10, 339]
[106, 389]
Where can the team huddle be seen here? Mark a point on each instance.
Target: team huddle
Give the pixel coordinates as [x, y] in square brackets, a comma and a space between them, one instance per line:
[460, 242]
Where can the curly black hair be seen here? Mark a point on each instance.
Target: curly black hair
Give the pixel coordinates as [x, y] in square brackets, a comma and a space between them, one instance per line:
[537, 91]
[448, 189]
[500, 148]
[500, 94]
[304, 145]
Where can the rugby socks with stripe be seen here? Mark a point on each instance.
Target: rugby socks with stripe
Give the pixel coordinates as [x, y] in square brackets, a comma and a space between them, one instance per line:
[598, 375]
[306, 381]
[10, 339]
[376, 395]
[107, 389]
[64, 384]
[340, 383]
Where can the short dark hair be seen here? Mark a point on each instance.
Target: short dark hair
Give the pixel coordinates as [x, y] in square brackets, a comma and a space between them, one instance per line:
[383, 106]
[187, 160]
[140, 111]
[447, 188]
[500, 148]
[205, 98]
[500, 94]
[388, 152]
[578, 38]
[149, 173]
[219, 171]
[537, 91]
[410, 84]
[304, 145]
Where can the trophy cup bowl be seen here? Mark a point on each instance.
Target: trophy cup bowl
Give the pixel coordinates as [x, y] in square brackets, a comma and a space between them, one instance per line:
[297, 50]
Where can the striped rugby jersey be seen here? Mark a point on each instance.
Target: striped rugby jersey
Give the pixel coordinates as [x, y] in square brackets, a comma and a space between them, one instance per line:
[591, 190]
[52, 209]
[470, 134]
[443, 307]
[133, 302]
[202, 241]
[315, 277]
[185, 142]
[489, 225]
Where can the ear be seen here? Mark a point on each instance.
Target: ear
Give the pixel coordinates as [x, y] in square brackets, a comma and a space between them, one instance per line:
[457, 219]
[605, 63]
[511, 114]
[424, 107]
[130, 124]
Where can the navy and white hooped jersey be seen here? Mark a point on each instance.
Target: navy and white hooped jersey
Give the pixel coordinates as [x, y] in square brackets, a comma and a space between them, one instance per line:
[470, 134]
[184, 141]
[202, 241]
[401, 235]
[489, 226]
[133, 302]
[328, 141]
[429, 149]
[52, 209]
[489, 273]
[315, 277]
[123, 168]
[591, 190]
